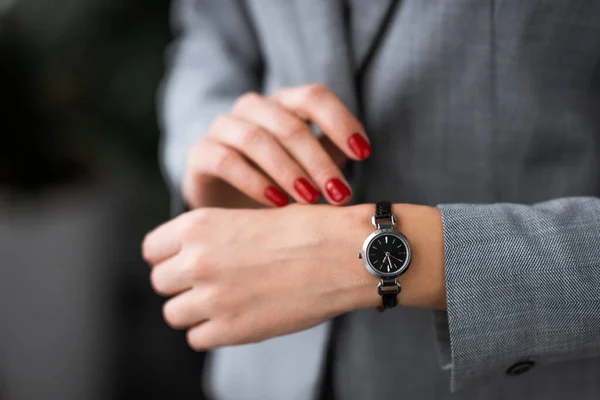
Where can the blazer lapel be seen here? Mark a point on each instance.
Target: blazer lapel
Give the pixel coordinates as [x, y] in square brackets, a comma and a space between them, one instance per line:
[321, 26]
[326, 43]
[367, 19]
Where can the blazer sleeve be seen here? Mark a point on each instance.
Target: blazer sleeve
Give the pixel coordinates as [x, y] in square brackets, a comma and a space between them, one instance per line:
[214, 59]
[523, 286]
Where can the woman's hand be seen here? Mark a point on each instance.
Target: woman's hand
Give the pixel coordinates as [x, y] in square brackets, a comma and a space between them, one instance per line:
[240, 276]
[264, 150]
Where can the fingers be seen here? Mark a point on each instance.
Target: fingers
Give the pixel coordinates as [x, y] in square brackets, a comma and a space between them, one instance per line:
[187, 309]
[206, 336]
[169, 277]
[264, 145]
[296, 137]
[260, 146]
[163, 242]
[320, 105]
[213, 158]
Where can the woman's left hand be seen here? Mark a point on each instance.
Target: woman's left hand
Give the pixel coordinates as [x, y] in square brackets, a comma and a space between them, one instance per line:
[241, 276]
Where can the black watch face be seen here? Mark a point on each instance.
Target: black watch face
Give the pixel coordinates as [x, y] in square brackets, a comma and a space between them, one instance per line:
[387, 253]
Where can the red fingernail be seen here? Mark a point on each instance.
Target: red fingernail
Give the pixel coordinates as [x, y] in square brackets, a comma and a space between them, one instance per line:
[306, 190]
[337, 190]
[359, 145]
[276, 197]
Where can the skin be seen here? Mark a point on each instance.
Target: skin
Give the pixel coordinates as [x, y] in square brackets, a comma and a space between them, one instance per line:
[239, 274]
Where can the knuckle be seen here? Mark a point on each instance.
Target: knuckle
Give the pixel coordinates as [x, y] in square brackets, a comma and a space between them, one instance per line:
[195, 342]
[188, 230]
[225, 336]
[196, 152]
[316, 91]
[254, 135]
[238, 333]
[202, 341]
[205, 265]
[216, 125]
[199, 265]
[322, 171]
[200, 217]
[228, 336]
[295, 130]
[157, 282]
[281, 92]
[173, 314]
[225, 159]
[198, 145]
[246, 100]
[193, 266]
[214, 300]
[286, 173]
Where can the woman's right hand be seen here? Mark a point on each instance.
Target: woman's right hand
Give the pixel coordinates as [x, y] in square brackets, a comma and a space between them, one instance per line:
[264, 151]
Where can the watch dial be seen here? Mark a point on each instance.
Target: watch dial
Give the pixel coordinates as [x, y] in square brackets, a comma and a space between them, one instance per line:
[387, 253]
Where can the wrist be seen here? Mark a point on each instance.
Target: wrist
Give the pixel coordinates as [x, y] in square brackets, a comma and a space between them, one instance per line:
[362, 286]
[423, 284]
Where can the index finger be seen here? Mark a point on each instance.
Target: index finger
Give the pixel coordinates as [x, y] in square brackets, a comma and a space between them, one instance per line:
[320, 105]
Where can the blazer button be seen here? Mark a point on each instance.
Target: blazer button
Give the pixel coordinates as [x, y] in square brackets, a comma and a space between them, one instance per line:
[520, 367]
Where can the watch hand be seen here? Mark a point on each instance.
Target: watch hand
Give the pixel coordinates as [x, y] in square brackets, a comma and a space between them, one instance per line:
[384, 258]
[390, 262]
[395, 258]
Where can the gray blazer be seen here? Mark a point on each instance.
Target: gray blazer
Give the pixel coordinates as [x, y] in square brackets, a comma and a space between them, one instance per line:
[489, 109]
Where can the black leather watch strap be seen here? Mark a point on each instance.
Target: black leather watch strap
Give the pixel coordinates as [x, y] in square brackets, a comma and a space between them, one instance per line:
[383, 209]
[388, 290]
[389, 300]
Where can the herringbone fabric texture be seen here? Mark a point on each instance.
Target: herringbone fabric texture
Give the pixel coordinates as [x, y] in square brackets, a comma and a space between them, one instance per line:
[529, 275]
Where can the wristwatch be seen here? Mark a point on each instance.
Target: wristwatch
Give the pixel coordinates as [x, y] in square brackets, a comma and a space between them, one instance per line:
[386, 254]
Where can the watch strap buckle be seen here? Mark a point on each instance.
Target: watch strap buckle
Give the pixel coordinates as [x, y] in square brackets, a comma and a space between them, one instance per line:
[388, 289]
[389, 286]
[384, 223]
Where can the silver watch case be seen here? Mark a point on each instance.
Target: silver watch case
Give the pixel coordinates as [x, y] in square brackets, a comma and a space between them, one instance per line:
[370, 239]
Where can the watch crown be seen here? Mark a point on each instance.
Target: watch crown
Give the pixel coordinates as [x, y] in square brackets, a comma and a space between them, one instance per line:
[360, 255]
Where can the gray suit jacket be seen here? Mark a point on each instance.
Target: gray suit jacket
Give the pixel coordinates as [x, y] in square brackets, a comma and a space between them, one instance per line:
[489, 109]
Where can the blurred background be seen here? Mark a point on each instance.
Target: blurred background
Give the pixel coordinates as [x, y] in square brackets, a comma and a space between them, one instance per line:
[80, 185]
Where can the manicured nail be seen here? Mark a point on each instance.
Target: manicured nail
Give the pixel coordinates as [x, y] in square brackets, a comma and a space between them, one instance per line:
[306, 190]
[359, 145]
[276, 197]
[337, 190]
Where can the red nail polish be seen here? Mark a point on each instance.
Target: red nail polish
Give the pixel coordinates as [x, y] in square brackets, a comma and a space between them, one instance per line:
[276, 197]
[306, 190]
[337, 190]
[359, 145]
